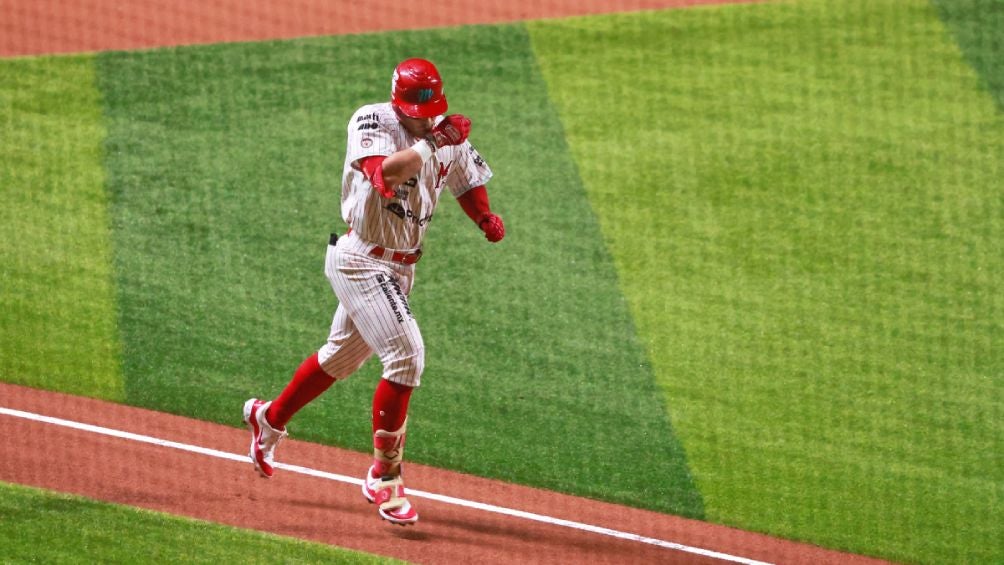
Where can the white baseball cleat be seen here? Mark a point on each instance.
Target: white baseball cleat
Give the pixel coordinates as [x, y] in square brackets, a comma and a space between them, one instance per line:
[389, 496]
[264, 438]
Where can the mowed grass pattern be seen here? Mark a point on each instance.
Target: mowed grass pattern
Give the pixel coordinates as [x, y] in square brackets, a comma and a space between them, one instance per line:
[804, 203]
[58, 328]
[978, 27]
[801, 203]
[40, 526]
[224, 166]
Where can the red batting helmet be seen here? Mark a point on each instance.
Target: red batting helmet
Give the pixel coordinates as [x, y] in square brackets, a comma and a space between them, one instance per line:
[417, 90]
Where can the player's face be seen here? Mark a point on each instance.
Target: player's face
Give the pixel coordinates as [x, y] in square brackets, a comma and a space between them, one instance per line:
[418, 127]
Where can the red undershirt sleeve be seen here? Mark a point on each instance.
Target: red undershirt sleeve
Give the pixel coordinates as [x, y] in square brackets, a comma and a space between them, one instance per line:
[475, 203]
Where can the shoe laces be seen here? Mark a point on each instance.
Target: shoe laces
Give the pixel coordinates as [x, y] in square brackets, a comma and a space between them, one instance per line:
[270, 438]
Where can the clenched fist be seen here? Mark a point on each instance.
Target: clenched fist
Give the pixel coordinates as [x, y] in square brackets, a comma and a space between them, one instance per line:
[452, 130]
[493, 227]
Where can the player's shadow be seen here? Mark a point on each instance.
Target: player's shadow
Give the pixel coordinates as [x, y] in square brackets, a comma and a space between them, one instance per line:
[410, 533]
[490, 527]
[545, 539]
[326, 506]
[449, 527]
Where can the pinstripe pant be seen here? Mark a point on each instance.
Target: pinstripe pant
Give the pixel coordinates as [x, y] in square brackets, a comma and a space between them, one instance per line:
[373, 315]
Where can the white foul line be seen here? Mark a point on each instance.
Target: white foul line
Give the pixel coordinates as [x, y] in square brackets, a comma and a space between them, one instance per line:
[358, 482]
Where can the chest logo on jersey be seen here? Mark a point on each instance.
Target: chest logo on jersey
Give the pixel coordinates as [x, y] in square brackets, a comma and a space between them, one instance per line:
[407, 215]
[441, 175]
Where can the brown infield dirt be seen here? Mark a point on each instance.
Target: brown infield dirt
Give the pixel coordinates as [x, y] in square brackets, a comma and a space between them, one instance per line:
[292, 504]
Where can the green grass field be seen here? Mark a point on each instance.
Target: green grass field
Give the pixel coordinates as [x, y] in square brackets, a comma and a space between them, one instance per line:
[58, 297]
[38, 526]
[828, 235]
[752, 272]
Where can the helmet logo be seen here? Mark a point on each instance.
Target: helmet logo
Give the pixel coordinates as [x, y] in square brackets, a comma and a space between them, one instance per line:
[425, 95]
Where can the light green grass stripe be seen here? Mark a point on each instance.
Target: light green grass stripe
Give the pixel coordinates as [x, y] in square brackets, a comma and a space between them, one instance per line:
[804, 202]
[39, 526]
[58, 328]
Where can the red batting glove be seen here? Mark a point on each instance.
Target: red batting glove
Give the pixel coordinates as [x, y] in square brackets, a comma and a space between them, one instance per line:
[453, 130]
[493, 227]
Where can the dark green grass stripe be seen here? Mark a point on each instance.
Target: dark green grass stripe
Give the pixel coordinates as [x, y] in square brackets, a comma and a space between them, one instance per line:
[978, 27]
[224, 164]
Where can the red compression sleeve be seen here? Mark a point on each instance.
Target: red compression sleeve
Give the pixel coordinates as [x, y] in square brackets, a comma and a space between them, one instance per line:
[390, 406]
[475, 203]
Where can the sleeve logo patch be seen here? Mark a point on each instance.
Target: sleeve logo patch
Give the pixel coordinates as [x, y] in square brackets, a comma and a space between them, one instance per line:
[366, 142]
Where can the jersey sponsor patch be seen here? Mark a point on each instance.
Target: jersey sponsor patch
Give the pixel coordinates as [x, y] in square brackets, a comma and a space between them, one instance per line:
[396, 209]
[400, 211]
[368, 125]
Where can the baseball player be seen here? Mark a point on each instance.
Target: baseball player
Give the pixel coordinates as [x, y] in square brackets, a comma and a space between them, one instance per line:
[400, 157]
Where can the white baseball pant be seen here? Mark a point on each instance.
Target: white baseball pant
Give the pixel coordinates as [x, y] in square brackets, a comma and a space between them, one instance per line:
[373, 315]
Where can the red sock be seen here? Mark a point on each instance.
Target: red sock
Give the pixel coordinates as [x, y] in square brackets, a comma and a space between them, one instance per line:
[309, 381]
[390, 406]
[390, 410]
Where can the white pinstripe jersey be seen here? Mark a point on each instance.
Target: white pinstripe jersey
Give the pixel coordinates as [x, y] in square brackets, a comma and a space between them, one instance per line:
[400, 222]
